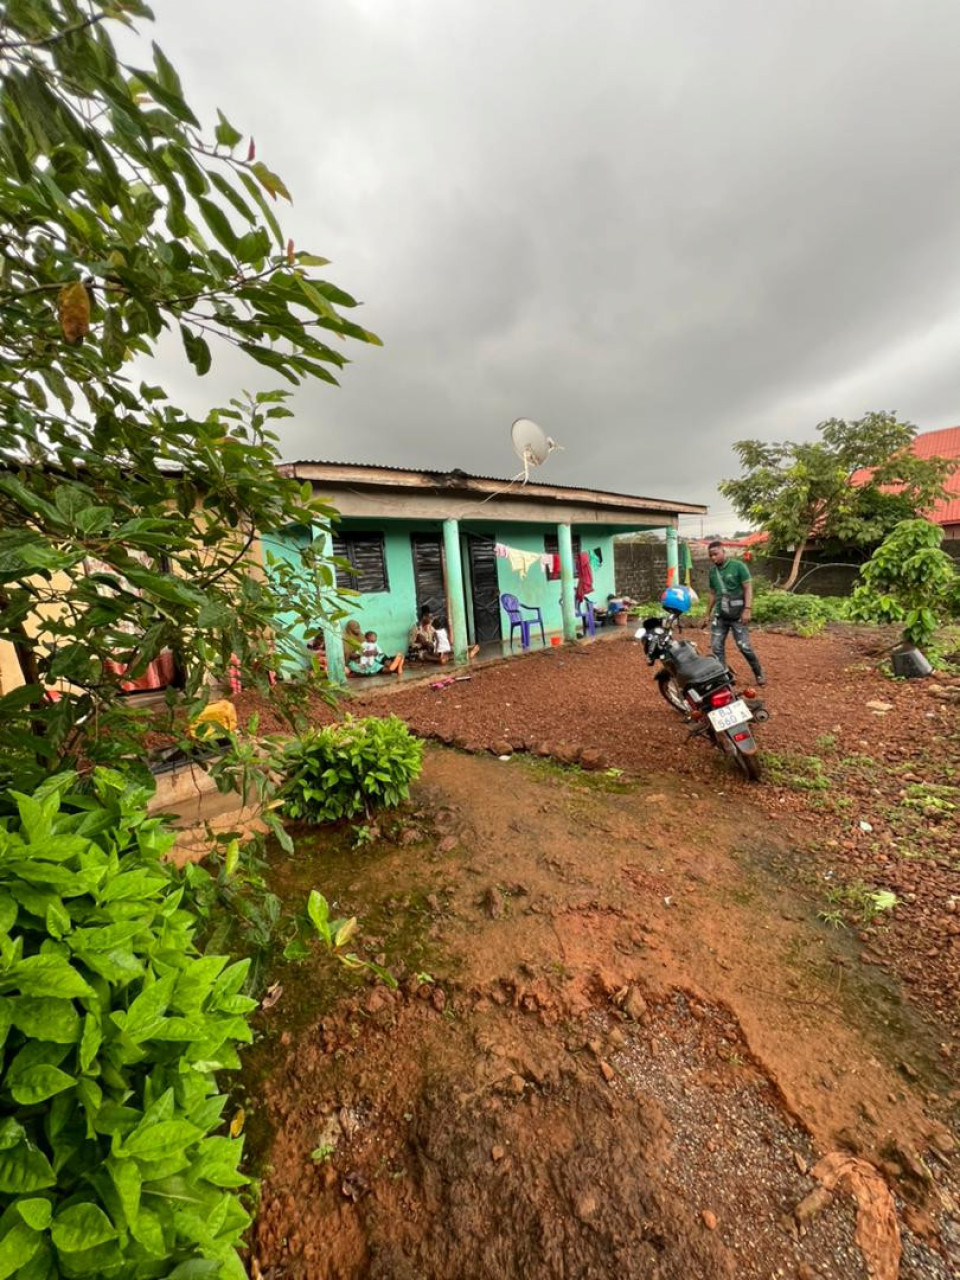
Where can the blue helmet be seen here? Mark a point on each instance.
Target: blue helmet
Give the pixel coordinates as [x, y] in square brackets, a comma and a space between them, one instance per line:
[677, 599]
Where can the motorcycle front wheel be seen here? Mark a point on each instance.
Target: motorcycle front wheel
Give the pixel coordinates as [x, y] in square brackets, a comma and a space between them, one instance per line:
[670, 690]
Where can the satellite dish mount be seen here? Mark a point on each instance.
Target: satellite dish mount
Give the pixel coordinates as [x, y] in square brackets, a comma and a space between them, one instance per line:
[532, 446]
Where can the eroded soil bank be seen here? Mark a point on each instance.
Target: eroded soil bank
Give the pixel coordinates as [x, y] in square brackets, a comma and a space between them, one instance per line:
[620, 1044]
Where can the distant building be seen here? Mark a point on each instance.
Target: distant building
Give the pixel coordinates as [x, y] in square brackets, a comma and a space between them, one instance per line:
[936, 444]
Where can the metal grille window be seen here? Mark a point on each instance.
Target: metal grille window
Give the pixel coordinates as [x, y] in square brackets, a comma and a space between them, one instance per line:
[551, 546]
[368, 566]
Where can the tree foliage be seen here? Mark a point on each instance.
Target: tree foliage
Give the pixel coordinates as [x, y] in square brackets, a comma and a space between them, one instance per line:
[794, 491]
[909, 579]
[122, 220]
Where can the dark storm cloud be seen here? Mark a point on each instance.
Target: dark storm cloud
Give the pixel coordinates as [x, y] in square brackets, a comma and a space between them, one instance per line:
[655, 228]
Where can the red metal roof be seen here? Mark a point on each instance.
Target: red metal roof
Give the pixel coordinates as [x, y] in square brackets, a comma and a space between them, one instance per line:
[934, 444]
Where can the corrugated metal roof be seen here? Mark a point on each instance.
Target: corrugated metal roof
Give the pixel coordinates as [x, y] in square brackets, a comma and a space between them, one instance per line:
[934, 444]
[458, 473]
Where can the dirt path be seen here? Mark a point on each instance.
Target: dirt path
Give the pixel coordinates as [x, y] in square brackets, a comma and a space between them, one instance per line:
[619, 1046]
[865, 770]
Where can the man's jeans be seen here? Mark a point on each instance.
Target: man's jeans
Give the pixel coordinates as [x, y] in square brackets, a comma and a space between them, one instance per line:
[741, 635]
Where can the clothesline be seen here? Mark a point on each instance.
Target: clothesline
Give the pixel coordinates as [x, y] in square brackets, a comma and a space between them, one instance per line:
[521, 562]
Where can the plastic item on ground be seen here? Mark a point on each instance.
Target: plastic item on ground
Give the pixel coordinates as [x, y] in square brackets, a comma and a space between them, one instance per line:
[910, 664]
[222, 714]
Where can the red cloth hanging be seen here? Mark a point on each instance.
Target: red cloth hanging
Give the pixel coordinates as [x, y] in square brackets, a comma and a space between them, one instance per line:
[585, 581]
[158, 675]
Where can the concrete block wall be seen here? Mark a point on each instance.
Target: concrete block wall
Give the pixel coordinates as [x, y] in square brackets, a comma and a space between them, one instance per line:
[641, 570]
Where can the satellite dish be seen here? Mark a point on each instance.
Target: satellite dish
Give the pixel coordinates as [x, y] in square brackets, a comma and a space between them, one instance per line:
[531, 444]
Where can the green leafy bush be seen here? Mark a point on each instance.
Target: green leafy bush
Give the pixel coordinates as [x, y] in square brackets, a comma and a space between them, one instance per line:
[342, 770]
[808, 613]
[774, 607]
[909, 579]
[113, 1026]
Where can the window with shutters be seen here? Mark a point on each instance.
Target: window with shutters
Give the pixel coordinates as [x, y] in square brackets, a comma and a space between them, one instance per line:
[363, 552]
[551, 546]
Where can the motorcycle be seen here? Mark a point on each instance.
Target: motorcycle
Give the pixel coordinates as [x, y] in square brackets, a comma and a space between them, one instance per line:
[702, 688]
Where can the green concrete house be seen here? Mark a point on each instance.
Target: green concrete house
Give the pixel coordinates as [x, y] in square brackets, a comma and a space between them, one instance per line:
[415, 538]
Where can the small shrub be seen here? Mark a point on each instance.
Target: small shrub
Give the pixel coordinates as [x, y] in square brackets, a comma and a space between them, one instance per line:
[343, 770]
[808, 613]
[909, 579]
[333, 935]
[113, 1027]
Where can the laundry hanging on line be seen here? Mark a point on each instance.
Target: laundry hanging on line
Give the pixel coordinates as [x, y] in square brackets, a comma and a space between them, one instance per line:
[521, 562]
[585, 580]
[686, 563]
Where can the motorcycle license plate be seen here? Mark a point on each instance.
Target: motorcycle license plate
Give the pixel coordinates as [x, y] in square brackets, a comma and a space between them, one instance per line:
[731, 715]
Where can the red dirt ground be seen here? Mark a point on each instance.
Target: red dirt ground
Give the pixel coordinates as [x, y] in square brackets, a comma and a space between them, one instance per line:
[601, 697]
[635, 1044]
[637, 1033]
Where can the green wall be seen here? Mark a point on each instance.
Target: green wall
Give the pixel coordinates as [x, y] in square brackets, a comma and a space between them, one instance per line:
[391, 613]
[536, 589]
[287, 546]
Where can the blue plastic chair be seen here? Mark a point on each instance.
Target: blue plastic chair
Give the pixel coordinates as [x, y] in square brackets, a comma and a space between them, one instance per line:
[511, 607]
[584, 611]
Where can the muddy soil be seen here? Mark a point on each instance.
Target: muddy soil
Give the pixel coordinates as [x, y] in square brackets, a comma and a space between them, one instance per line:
[864, 770]
[619, 1046]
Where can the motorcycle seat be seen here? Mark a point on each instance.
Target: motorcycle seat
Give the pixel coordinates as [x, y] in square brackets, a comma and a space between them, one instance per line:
[692, 669]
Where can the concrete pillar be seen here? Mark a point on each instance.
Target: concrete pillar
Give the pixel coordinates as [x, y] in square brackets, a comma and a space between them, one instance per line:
[332, 634]
[673, 558]
[454, 585]
[567, 586]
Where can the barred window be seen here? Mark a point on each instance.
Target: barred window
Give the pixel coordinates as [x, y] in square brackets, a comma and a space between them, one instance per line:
[364, 554]
[551, 545]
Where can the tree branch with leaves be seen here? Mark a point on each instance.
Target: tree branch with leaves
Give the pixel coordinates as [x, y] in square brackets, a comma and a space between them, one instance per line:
[849, 488]
[122, 219]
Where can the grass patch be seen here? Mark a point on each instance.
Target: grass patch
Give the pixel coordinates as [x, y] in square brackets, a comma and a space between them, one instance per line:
[858, 903]
[798, 772]
[609, 780]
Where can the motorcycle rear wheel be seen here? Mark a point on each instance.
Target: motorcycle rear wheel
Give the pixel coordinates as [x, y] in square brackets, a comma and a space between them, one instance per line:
[670, 690]
[749, 766]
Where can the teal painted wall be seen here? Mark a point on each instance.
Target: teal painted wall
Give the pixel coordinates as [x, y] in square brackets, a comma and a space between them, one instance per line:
[536, 589]
[391, 613]
[287, 546]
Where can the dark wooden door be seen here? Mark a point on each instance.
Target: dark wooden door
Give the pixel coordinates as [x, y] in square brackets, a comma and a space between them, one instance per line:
[428, 573]
[486, 590]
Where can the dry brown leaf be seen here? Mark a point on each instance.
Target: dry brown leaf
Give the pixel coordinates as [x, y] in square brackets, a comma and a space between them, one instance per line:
[273, 995]
[878, 1232]
[73, 312]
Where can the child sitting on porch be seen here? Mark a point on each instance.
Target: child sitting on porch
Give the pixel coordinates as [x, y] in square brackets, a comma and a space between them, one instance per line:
[372, 660]
[424, 642]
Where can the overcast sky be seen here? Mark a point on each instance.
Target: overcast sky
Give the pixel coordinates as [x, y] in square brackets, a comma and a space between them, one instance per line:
[654, 226]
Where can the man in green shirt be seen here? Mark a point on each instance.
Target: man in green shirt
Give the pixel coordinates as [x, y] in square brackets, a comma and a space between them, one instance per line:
[731, 598]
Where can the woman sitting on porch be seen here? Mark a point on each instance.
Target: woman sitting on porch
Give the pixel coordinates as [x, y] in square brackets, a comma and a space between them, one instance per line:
[424, 641]
[372, 661]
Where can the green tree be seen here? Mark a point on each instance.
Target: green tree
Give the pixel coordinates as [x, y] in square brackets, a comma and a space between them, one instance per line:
[121, 220]
[909, 579]
[798, 490]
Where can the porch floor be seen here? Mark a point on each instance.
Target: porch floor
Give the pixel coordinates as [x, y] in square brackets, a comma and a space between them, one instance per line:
[492, 651]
